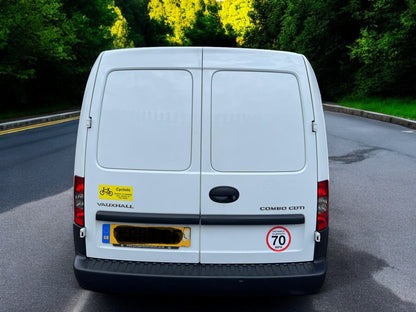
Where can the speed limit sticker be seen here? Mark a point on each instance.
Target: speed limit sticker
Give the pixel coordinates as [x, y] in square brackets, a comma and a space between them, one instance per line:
[278, 238]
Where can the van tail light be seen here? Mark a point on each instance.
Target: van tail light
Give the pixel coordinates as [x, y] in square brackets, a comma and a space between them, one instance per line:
[323, 205]
[79, 201]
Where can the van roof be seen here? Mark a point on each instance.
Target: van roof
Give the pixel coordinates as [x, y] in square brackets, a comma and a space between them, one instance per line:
[190, 57]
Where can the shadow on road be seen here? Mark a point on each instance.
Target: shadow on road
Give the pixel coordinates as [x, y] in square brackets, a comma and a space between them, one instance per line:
[349, 286]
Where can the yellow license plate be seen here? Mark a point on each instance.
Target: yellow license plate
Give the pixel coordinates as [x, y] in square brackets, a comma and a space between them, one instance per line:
[146, 236]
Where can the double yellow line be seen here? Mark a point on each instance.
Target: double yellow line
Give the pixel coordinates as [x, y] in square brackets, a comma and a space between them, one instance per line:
[39, 125]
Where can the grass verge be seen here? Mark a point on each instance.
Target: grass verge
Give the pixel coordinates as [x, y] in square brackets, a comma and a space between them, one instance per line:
[405, 108]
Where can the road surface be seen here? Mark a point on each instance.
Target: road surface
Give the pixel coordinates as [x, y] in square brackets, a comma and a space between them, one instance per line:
[371, 252]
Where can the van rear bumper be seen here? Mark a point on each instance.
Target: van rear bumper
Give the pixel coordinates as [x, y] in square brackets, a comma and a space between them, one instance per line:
[180, 278]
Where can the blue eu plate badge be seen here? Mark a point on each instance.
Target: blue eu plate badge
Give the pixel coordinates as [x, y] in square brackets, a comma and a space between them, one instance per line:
[106, 233]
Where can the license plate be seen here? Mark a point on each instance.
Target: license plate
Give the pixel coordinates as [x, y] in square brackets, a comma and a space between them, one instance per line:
[146, 236]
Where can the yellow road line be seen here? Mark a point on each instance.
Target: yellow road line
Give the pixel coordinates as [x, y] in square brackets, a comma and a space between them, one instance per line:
[43, 124]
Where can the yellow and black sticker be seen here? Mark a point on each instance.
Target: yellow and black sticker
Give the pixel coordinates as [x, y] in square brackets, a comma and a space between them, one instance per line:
[115, 192]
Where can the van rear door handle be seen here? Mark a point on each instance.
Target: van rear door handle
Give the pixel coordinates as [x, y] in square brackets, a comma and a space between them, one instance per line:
[224, 194]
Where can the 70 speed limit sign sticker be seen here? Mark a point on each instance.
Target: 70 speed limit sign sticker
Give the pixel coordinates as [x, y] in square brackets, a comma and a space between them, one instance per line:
[278, 238]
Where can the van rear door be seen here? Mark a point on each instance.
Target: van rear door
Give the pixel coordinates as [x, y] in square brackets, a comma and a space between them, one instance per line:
[259, 168]
[143, 152]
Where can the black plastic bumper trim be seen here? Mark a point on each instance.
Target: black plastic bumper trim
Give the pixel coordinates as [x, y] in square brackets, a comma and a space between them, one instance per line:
[252, 219]
[149, 277]
[79, 242]
[322, 246]
[131, 217]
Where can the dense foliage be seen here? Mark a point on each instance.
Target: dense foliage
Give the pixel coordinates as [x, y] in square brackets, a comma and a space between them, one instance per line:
[357, 47]
[386, 48]
[47, 48]
[235, 18]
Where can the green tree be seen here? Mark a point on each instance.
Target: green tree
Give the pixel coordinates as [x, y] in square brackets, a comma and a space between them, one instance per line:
[191, 22]
[29, 31]
[235, 17]
[266, 18]
[32, 33]
[92, 21]
[47, 48]
[142, 30]
[119, 31]
[207, 29]
[321, 30]
[386, 49]
[176, 14]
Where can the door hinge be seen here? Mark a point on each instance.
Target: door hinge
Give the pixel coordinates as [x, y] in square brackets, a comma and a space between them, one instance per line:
[82, 232]
[89, 122]
[317, 237]
[314, 126]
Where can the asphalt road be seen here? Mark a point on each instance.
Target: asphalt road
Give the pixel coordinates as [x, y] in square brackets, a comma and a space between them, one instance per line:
[372, 227]
[36, 163]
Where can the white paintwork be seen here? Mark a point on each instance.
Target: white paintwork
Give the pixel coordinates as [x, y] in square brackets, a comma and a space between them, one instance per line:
[146, 116]
[290, 181]
[173, 123]
[79, 166]
[247, 244]
[158, 187]
[251, 115]
[321, 141]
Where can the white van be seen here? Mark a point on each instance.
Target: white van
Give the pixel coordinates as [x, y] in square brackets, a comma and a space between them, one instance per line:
[201, 170]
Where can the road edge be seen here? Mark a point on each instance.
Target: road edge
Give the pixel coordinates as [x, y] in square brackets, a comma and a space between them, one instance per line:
[332, 107]
[37, 120]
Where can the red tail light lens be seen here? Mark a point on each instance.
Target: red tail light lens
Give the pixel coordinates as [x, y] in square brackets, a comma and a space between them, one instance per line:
[79, 201]
[323, 205]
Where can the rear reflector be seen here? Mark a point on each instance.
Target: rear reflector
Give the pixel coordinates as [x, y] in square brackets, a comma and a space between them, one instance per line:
[323, 201]
[79, 201]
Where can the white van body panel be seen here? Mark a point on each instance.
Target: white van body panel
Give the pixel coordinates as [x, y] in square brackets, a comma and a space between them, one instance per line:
[171, 124]
[145, 135]
[321, 140]
[257, 137]
[161, 124]
[79, 165]
[252, 113]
